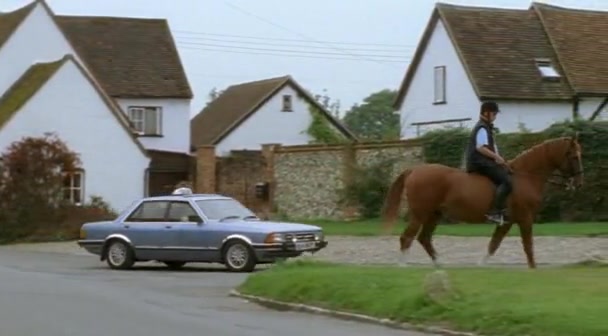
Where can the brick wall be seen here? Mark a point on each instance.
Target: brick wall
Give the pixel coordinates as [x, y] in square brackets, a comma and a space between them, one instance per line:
[237, 174]
[305, 181]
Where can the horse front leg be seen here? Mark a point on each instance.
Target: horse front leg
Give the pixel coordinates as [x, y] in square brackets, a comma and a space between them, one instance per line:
[525, 229]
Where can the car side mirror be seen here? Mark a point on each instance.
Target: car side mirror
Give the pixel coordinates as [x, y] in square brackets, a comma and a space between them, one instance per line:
[196, 219]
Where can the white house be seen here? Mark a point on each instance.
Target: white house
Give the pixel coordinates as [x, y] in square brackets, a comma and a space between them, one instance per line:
[542, 65]
[246, 116]
[118, 95]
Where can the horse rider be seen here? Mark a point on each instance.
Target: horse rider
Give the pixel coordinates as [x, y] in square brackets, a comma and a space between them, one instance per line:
[483, 158]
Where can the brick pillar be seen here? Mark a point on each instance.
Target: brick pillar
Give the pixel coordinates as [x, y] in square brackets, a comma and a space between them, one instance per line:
[268, 154]
[205, 170]
[349, 162]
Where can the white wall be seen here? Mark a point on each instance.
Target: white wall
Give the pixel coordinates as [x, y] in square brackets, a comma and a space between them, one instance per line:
[70, 106]
[270, 125]
[36, 39]
[461, 100]
[175, 123]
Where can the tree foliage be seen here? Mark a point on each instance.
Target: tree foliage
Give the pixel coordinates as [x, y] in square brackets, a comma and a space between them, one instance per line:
[375, 118]
[320, 129]
[31, 183]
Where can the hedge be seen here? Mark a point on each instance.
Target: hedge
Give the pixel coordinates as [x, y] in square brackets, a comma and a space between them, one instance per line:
[446, 146]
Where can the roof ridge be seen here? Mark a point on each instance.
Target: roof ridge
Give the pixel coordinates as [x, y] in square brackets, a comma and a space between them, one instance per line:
[109, 17]
[444, 5]
[541, 5]
[263, 81]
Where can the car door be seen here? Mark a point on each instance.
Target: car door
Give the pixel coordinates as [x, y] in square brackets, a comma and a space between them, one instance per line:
[194, 238]
[152, 236]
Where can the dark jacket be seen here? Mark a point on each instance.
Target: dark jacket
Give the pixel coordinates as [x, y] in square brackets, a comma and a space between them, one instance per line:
[474, 158]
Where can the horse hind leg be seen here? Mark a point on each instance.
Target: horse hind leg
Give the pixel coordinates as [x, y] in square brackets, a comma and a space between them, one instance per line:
[406, 239]
[497, 237]
[425, 237]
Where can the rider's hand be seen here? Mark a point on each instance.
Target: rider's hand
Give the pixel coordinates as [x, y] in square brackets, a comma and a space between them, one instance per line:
[500, 160]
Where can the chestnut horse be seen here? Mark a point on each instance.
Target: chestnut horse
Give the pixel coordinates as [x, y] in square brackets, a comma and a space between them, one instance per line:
[435, 190]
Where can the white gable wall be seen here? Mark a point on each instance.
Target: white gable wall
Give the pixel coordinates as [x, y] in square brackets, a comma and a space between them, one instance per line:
[36, 39]
[69, 106]
[418, 104]
[175, 123]
[462, 101]
[271, 125]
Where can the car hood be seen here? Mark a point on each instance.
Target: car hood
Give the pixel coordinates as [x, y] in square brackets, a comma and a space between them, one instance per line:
[271, 226]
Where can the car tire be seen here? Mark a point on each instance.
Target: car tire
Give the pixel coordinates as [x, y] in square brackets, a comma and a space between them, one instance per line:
[119, 255]
[174, 265]
[238, 256]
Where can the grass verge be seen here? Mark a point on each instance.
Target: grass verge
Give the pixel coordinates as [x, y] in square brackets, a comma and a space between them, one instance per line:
[373, 227]
[568, 301]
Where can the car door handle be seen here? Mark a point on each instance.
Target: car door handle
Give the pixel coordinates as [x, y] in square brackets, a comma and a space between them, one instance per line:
[168, 226]
[127, 226]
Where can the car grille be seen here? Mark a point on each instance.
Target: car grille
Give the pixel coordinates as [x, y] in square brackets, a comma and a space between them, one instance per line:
[301, 236]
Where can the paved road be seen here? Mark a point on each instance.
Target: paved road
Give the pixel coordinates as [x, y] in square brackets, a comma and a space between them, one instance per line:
[56, 294]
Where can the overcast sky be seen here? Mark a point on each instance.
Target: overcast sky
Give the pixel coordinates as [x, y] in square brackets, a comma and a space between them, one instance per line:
[349, 47]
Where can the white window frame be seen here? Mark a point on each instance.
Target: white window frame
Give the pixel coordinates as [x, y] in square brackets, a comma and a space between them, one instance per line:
[73, 189]
[137, 116]
[287, 103]
[546, 68]
[439, 87]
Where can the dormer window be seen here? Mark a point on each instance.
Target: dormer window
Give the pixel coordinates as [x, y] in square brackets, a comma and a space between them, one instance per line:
[546, 68]
[287, 103]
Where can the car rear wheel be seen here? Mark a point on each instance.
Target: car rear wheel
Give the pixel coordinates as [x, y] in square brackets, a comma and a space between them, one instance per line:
[239, 257]
[119, 255]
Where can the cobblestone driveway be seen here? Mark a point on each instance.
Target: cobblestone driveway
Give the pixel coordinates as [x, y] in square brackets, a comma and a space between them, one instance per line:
[452, 250]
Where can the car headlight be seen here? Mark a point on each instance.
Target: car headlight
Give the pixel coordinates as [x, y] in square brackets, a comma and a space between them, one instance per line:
[274, 238]
[319, 236]
[83, 233]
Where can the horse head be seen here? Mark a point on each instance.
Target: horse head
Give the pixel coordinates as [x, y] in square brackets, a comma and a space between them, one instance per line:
[566, 156]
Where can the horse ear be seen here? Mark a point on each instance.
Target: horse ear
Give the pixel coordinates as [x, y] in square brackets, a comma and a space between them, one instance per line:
[575, 137]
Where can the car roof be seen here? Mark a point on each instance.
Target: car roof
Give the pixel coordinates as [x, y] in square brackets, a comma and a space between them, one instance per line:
[195, 197]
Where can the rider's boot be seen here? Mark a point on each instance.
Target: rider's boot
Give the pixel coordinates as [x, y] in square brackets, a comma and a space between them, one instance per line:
[497, 213]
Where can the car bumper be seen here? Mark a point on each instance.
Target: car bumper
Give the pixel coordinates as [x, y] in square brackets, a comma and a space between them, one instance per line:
[271, 252]
[92, 246]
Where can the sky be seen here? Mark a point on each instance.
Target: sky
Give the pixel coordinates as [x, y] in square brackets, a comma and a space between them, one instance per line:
[347, 49]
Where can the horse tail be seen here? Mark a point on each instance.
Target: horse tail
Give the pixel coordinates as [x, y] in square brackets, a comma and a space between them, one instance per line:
[390, 210]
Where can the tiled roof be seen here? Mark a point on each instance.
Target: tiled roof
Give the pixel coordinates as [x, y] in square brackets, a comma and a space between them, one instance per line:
[237, 103]
[499, 49]
[580, 38]
[131, 57]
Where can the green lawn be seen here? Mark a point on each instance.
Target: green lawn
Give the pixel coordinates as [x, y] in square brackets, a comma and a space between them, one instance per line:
[374, 228]
[569, 301]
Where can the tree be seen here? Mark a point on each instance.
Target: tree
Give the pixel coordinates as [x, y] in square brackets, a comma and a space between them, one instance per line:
[325, 100]
[31, 183]
[375, 118]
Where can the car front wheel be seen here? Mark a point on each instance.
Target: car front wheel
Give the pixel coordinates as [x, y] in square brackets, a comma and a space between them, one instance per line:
[239, 257]
[119, 255]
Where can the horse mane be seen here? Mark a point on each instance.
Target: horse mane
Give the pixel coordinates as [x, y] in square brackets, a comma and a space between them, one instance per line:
[537, 151]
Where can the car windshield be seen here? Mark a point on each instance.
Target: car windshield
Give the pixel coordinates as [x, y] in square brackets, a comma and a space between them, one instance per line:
[216, 209]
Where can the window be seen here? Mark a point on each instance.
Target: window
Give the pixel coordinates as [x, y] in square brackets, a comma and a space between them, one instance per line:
[287, 103]
[146, 120]
[149, 211]
[73, 187]
[439, 85]
[546, 69]
[182, 212]
[216, 209]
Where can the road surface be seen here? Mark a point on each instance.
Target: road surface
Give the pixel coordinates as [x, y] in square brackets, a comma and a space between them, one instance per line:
[56, 294]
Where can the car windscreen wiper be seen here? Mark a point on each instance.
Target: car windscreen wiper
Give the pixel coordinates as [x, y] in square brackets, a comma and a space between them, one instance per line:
[229, 217]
